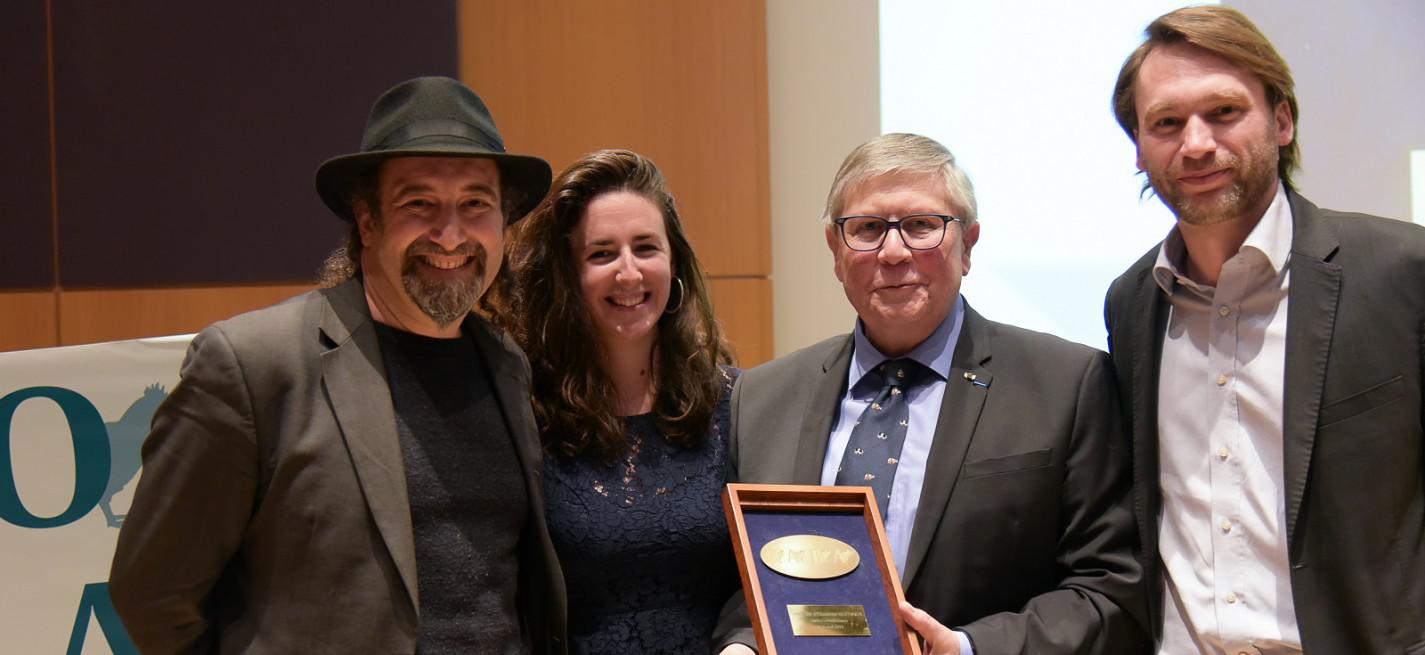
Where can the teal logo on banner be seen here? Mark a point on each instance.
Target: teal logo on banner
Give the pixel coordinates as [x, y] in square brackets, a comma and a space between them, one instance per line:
[91, 457]
[106, 455]
[95, 601]
[106, 459]
[126, 437]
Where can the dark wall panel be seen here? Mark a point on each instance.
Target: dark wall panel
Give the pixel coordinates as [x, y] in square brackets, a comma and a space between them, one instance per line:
[27, 246]
[188, 133]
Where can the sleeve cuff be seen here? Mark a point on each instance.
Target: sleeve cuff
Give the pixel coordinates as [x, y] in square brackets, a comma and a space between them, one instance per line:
[966, 647]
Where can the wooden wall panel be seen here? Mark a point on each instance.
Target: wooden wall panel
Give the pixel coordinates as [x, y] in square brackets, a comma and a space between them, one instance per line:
[113, 314]
[27, 320]
[744, 308]
[684, 83]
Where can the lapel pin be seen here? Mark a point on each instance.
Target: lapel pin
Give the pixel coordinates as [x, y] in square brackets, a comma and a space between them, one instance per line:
[972, 379]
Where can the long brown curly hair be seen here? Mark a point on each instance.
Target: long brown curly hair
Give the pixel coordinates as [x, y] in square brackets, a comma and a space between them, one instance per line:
[537, 299]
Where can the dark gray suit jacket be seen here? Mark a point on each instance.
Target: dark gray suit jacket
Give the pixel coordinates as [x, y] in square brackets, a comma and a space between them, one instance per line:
[272, 515]
[1352, 424]
[1024, 538]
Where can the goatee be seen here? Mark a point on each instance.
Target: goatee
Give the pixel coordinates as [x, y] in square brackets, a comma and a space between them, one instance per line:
[448, 298]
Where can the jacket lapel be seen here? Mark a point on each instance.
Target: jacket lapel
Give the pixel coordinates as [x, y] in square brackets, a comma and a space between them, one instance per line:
[954, 429]
[1146, 338]
[355, 380]
[1145, 348]
[1311, 318]
[825, 403]
[511, 384]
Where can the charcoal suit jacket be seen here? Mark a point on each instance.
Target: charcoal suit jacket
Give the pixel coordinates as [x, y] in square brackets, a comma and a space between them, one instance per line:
[1023, 538]
[1354, 456]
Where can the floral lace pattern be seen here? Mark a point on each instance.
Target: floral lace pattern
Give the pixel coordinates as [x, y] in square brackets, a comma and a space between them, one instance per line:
[643, 542]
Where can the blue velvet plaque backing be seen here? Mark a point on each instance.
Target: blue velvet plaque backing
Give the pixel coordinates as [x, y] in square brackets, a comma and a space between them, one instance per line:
[863, 586]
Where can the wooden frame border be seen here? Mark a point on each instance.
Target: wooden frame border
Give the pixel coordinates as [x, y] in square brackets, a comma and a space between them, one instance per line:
[807, 498]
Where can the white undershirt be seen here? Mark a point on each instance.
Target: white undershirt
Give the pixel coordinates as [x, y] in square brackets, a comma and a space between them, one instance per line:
[1222, 533]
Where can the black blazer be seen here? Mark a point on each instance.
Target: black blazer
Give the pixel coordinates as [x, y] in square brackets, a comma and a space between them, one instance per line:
[272, 515]
[1023, 538]
[1352, 422]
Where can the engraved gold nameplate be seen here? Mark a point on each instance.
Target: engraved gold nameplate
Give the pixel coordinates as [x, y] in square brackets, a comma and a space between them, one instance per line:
[828, 620]
[810, 557]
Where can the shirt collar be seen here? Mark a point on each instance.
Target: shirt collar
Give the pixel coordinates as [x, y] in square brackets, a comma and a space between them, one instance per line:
[1271, 237]
[935, 353]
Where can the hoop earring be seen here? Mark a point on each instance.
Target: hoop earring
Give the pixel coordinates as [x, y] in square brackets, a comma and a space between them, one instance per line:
[682, 293]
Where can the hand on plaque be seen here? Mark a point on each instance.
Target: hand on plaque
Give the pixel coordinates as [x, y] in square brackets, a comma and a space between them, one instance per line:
[939, 640]
[737, 649]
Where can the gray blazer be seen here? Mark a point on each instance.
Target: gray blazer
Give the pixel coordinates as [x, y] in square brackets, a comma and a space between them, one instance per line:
[1024, 538]
[272, 514]
[1352, 424]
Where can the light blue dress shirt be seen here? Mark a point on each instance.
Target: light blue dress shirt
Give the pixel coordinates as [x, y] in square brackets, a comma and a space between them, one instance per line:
[924, 403]
[935, 353]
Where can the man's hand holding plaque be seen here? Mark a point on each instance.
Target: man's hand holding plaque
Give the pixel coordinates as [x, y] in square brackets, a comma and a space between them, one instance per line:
[938, 639]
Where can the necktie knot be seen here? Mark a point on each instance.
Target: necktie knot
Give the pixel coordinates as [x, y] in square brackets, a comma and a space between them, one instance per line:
[901, 373]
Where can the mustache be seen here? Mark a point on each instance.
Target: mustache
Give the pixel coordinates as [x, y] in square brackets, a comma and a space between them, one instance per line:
[467, 249]
[1188, 166]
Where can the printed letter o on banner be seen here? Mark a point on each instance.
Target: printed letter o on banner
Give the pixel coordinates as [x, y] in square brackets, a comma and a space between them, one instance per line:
[91, 457]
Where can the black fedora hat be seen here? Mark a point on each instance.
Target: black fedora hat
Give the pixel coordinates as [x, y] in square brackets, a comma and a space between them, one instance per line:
[432, 117]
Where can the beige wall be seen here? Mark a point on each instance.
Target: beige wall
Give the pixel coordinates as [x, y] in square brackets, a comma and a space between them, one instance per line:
[823, 77]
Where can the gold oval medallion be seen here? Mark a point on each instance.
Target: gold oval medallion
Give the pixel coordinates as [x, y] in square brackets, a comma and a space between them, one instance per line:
[810, 557]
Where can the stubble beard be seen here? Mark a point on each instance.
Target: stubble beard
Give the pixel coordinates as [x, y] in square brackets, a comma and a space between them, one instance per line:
[1254, 179]
[444, 301]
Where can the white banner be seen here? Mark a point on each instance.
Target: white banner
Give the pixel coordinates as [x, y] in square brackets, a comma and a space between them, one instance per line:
[72, 421]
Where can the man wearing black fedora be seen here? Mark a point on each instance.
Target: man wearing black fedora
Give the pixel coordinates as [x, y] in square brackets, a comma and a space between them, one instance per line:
[357, 469]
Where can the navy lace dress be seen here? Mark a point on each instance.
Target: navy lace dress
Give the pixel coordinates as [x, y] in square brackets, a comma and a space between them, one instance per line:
[643, 542]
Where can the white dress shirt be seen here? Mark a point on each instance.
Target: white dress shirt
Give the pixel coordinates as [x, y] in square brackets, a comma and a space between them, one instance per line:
[1222, 533]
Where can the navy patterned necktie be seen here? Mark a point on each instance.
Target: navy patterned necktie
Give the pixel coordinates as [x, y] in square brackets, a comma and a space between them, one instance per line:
[874, 450]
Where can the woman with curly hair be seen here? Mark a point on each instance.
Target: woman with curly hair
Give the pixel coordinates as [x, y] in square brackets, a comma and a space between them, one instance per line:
[631, 380]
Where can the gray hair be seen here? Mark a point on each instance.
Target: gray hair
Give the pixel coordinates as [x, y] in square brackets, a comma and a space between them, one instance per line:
[894, 153]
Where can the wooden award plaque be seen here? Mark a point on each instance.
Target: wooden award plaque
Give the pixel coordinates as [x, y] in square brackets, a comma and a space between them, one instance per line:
[817, 570]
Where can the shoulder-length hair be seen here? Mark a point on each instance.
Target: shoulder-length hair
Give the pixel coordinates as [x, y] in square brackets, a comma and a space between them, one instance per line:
[539, 302]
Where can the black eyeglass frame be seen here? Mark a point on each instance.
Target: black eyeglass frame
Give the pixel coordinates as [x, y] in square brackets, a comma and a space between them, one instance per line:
[945, 221]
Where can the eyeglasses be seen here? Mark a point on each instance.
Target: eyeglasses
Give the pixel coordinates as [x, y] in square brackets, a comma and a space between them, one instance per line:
[918, 231]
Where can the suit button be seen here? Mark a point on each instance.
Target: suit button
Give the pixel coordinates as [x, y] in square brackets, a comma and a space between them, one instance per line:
[1221, 380]
[1223, 311]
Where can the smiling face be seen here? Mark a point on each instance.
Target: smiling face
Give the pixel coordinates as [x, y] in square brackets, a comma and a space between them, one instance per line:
[902, 295]
[434, 245]
[625, 267]
[1207, 137]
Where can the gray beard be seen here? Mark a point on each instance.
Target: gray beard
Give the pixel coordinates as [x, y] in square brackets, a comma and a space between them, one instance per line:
[444, 302]
[1208, 211]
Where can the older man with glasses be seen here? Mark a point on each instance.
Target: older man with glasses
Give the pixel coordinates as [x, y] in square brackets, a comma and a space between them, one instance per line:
[996, 454]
